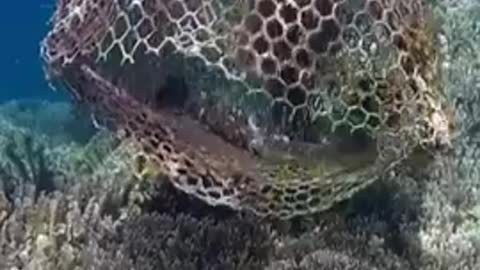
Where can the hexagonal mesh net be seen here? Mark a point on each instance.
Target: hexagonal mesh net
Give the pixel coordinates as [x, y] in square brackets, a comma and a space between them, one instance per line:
[313, 71]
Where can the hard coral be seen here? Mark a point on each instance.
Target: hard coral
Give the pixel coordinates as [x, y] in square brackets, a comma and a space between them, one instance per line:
[182, 242]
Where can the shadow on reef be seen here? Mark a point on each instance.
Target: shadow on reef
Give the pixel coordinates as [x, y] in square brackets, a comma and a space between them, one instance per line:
[161, 241]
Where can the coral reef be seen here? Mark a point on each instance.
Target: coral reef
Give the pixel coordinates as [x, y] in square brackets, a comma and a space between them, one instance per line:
[184, 242]
[76, 201]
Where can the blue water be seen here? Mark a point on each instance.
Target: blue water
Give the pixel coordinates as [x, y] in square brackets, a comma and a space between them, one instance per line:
[23, 24]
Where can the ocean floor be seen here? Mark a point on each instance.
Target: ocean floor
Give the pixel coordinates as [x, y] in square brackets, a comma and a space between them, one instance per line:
[68, 200]
[70, 197]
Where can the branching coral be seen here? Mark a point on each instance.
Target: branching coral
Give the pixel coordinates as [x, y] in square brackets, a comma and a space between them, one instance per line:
[53, 232]
[183, 242]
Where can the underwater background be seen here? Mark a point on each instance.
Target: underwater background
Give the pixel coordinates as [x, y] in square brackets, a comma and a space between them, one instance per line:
[71, 197]
[22, 29]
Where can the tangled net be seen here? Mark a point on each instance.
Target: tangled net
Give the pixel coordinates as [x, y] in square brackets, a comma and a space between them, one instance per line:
[282, 107]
